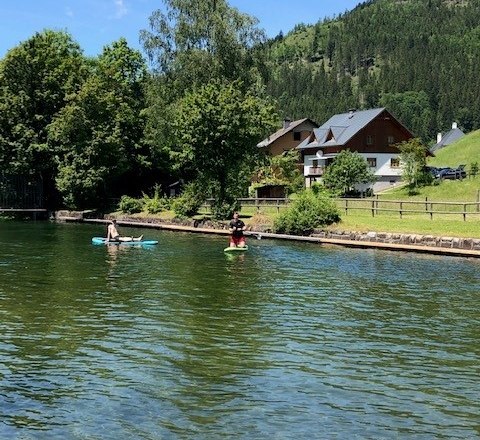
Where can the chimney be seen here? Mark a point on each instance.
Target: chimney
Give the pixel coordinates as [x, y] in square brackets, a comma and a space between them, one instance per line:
[286, 122]
[439, 137]
[454, 125]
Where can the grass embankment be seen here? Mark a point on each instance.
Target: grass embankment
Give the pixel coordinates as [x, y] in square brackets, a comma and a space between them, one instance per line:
[465, 151]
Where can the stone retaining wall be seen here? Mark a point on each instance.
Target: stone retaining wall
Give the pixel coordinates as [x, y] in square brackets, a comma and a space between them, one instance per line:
[407, 239]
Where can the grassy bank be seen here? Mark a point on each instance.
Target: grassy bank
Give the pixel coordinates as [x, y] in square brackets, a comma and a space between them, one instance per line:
[466, 190]
[420, 224]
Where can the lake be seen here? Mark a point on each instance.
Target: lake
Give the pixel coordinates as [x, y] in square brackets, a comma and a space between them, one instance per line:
[181, 340]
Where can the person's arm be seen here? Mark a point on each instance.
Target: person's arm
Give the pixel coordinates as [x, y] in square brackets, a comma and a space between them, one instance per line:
[108, 234]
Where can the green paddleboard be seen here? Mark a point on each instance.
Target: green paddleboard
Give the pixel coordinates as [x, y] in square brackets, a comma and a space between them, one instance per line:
[236, 249]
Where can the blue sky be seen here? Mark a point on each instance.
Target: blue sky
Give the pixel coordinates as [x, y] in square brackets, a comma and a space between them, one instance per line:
[95, 23]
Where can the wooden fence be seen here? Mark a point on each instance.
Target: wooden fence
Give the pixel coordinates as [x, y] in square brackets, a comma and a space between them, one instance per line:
[413, 207]
[256, 204]
[375, 206]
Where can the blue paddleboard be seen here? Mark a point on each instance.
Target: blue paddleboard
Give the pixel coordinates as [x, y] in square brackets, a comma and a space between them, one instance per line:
[103, 240]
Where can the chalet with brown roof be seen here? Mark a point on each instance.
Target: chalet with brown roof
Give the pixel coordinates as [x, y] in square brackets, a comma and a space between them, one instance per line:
[372, 133]
[288, 137]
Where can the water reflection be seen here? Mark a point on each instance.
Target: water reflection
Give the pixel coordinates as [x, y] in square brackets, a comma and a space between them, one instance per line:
[181, 340]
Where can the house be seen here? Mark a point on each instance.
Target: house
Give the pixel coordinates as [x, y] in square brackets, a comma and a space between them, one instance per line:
[372, 133]
[448, 138]
[288, 137]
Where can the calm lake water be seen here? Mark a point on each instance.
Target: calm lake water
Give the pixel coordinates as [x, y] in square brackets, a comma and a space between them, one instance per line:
[182, 341]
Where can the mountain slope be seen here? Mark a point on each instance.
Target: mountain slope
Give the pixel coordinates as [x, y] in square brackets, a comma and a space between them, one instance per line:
[420, 58]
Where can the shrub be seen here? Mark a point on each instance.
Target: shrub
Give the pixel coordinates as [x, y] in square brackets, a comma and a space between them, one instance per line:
[129, 205]
[225, 209]
[189, 202]
[155, 204]
[474, 169]
[311, 209]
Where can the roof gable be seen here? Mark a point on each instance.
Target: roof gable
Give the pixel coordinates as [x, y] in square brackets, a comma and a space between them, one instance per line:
[339, 129]
[283, 131]
[448, 138]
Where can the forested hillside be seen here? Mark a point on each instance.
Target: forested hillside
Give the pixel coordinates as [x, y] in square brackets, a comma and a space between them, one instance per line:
[420, 58]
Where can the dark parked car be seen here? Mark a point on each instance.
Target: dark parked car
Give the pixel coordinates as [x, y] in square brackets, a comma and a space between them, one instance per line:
[455, 173]
[448, 173]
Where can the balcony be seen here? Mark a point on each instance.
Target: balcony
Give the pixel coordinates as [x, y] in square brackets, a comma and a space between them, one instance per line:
[316, 171]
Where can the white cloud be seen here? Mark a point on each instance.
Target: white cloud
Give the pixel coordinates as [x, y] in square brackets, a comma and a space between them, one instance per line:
[120, 8]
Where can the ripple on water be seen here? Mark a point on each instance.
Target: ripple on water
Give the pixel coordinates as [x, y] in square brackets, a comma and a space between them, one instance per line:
[181, 340]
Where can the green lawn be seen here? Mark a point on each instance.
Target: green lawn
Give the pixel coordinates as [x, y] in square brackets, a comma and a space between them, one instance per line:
[466, 190]
[464, 151]
[451, 226]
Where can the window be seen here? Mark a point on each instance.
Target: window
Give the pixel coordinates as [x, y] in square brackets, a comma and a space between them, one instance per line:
[372, 162]
[390, 140]
[315, 163]
[297, 135]
[394, 162]
[369, 139]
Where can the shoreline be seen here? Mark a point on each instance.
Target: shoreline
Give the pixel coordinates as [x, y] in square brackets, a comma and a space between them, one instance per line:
[447, 246]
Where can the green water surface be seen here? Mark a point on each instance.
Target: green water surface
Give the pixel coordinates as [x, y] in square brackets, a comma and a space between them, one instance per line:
[181, 340]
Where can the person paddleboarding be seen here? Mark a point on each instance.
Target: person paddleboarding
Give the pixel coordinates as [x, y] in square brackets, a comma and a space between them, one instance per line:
[114, 235]
[236, 228]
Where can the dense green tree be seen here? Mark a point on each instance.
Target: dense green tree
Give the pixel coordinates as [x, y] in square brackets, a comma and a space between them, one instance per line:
[282, 169]
[216, 131]
[196, 41]
[413, 160]
[99, 133]
[191, 43]
[347, 170]
[413, 107]
[36, 77]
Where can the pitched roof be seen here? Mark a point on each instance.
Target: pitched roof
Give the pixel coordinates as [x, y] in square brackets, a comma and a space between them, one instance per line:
[339, 129]
[282, 131]
[448, 138]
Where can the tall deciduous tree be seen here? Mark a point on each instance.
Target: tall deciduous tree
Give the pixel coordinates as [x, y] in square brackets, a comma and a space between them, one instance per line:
[217, 129]
[201, 40]
[413, 160]
[36, 77]
[99, 134]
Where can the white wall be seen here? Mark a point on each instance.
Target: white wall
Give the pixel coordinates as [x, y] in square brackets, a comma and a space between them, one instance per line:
[383, 167]
[386, 175]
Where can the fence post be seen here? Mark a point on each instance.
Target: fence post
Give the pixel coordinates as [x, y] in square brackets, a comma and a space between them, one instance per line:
[401, 209]
[464, 212]
[373, 208]
[478, 200]
[346, 206]
[426, 203]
